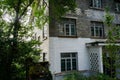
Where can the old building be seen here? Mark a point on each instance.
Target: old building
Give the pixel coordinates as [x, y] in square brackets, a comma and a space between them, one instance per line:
[77, 41]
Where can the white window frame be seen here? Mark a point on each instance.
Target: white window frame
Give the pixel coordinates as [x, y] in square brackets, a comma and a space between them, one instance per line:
[97, 3]
[70, 29]
[95, 25]
[71, 23]
[66, 58]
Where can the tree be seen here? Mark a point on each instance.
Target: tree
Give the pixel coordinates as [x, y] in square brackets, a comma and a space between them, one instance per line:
[17, 21]
[111, 56]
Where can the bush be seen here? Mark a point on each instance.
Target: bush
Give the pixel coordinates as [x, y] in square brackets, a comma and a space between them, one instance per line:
[79, 76]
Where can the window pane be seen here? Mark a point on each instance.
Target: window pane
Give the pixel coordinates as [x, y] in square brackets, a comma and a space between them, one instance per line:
[63, 55]
[68, 64]
[99, 3]
[73, 54]
[74, 64]
[97, 31]
[101, 32]
[67, 29]
[96, 3]
[92, 31]
[117, 6]
[62, 65]
[72, 29]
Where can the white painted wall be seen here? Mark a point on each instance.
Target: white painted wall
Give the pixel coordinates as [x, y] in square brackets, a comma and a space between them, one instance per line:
[58, 45]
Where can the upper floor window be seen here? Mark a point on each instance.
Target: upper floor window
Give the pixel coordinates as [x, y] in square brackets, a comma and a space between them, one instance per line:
[68, 61]
[67, 27]
[117, 6]
[97, 29]
[96, 3]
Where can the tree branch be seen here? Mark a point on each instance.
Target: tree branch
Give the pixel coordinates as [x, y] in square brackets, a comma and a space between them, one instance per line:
[25, 9]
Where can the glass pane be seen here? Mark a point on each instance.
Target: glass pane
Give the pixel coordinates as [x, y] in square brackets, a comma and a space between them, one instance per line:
[97, 31]
[97, 3]
[72, 29]
[94, 3]
[65, 55]
[62, 65]
[118, 6]
[73, 54]
[92, 31]
[67, 29]
[101, 32]
[68, 64]
[74, 66]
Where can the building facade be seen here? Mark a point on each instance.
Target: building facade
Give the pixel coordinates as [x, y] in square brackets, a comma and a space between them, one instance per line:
[76, 42]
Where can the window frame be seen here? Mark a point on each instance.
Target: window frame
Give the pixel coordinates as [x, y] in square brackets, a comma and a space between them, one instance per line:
[98, 29]
[72, 32]
[71, 62]
[70, 29]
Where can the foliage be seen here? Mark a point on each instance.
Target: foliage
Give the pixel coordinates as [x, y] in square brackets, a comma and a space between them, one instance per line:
[38, 71]
[18, 18]
[60, 7]
[75, 76]
[112, 49]
[80, 76]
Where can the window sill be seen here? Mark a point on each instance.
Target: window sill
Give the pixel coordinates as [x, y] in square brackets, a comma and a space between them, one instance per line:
[101, 9]
[69, 72]
[68, 36]
[65, 72]
[118, 12]
[95, 37]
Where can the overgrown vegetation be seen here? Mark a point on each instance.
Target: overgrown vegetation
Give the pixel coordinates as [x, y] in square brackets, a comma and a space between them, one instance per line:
[80, 76]
[18, 18]
[111, 56]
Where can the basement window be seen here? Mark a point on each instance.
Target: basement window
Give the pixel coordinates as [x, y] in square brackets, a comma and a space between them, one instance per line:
[68, 61]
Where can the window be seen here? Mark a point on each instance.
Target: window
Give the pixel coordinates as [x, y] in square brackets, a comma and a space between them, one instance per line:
[97, 29]
[44, 56]
[117, 6]
[68, 61]
[96, 3]
[68, 27]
